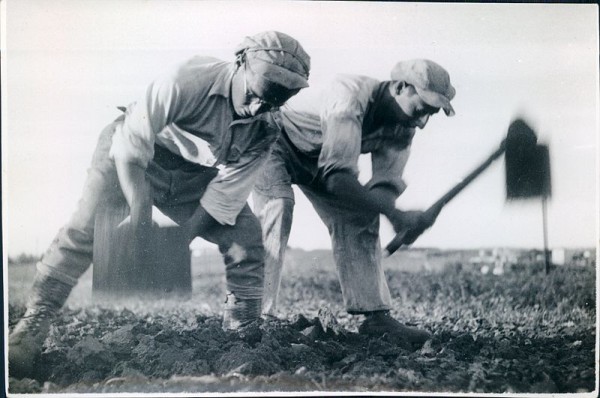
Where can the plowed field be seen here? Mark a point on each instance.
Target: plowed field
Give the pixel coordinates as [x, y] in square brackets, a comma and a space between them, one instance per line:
[522, 332]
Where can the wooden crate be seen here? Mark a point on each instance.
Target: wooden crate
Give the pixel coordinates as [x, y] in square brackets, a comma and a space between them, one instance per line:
[168, 271]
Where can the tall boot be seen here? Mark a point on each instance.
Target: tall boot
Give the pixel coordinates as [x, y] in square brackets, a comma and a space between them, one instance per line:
[240, 312]
[27, 338]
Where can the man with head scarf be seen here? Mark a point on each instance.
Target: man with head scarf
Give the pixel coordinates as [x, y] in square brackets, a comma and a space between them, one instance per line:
[323, 136]
[197, 139]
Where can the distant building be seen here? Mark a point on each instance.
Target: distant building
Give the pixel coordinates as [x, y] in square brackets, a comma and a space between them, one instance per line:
[574, 257]
[494, 260]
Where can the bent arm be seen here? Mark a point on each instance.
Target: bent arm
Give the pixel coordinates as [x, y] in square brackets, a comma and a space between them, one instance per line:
[345, 186]
[338, 164]
[133, 142]
[137, 191]
[380, 199]
[342, 123]
[226, 194]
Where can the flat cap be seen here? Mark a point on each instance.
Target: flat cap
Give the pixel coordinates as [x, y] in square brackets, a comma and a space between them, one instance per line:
[430, 80]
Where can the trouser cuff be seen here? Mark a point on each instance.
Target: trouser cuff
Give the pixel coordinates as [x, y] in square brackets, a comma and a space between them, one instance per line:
[52, 272]
[245, 292]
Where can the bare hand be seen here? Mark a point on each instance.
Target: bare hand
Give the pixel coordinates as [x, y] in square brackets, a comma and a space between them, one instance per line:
[413, 223]
[159, 219]
[407, 220]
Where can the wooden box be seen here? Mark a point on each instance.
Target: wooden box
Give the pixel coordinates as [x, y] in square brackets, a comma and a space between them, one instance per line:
[167, 272]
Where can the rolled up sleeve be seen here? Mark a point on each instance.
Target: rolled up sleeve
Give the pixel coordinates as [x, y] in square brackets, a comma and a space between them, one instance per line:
[228, 192]
[134, 139]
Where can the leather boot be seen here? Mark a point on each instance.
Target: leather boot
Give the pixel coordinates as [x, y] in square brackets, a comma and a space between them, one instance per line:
[27, 338]
[240, 312]
[378, 323]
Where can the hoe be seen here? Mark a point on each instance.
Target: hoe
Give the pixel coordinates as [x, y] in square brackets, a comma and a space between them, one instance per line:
[527, 176]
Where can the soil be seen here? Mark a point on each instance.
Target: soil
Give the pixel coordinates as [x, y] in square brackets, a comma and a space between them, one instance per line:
[482, 342]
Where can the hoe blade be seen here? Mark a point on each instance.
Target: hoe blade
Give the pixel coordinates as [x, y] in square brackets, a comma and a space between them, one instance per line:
[527, 163]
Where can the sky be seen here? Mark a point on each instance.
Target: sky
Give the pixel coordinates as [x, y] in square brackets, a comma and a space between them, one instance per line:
[67, 65]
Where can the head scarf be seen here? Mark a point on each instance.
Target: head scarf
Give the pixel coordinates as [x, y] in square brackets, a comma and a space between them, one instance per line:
[276, 57]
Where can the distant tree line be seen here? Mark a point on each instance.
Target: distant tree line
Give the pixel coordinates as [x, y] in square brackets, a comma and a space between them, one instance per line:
[23, 258]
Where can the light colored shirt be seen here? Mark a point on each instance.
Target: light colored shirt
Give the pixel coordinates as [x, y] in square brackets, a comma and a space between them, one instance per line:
[335, 125]
[189, 112]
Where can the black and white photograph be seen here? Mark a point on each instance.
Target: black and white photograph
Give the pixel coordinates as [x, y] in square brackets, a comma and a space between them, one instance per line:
[300, 198]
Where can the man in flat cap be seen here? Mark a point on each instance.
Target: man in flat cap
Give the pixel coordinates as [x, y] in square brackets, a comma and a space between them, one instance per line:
[197, 139]
[322, 139]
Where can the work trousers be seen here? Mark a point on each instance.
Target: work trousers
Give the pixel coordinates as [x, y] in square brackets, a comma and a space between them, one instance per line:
[354, 233]
[177, 188]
